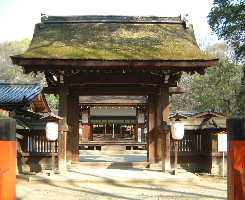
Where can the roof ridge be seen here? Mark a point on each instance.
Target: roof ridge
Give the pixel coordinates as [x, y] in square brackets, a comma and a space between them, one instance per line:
[110, 19]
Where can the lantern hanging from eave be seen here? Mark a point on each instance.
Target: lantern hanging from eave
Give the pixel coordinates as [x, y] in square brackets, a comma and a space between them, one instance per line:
[51, 131]
[85, 117]
[141, 117]
[177, 130]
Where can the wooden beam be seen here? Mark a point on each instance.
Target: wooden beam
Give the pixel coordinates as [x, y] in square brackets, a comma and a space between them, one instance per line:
[98, 77]
[114, 104]
[107, 90]
[137, 90]
[37, 64]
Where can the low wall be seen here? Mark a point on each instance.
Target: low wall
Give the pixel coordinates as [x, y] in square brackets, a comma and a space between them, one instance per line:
[202, 162]
[208, 163]
[35, 162]
[217, 164]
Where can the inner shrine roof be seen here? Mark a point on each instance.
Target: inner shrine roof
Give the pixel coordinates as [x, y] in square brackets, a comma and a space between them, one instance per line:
[116, 38]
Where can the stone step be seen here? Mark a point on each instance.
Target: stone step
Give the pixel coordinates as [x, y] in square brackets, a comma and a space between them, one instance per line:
[110, 152]
[111, 165]
[113, 148]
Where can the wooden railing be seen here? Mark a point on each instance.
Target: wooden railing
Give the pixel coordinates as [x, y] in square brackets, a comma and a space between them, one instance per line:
[193, 142]
[37, 143]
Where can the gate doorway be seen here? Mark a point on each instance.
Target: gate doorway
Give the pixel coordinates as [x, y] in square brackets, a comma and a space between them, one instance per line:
[113, 129]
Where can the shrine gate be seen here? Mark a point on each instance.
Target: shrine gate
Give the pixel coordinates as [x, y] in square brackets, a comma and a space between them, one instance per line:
[113, 55]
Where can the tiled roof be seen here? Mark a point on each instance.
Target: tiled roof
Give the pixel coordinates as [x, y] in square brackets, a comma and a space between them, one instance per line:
[187, 113]
[17, 95]
[196, 114]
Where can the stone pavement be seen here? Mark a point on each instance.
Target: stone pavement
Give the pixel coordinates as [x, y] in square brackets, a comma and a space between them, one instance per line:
[114, 177]
[110, 167]
[114, 187]
[105, 175]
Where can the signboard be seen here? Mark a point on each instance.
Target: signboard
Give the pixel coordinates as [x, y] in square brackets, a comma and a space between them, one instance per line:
[222, 142]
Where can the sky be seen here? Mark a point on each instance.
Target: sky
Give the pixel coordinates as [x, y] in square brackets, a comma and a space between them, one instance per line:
[18, 17]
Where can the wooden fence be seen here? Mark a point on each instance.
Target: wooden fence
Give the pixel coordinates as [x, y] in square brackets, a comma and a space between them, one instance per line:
[37, 143]
[194, 142]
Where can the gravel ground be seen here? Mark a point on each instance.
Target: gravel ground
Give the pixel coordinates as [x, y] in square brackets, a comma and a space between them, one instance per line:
[203, 188]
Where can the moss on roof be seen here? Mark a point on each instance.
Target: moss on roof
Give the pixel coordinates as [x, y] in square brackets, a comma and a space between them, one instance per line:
[114, 41]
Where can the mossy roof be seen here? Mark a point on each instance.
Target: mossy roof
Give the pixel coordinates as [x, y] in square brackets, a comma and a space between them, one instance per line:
[114, 38]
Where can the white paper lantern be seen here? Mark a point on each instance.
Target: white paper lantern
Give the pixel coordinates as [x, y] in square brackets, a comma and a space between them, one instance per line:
[141, 118]
[52, 131]
[85, 118]
[177, 130]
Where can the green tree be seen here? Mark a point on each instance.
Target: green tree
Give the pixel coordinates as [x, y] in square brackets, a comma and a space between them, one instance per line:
[53, 101]
[10, 72]
[185, 101]
[217, 90]
[227, 20]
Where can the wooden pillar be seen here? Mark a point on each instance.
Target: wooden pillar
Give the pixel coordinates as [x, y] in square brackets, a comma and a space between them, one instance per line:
[76, 157]
[136, 132]
[163, 114]
[90, 132]
[72, 154]
[159, 137]
[63, 127]
[113, 131]
[69, 142]
[151, 142]
[87, 135]
[143, 134]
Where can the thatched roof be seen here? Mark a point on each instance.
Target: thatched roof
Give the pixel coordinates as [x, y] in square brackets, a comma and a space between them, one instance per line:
[114, 38]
